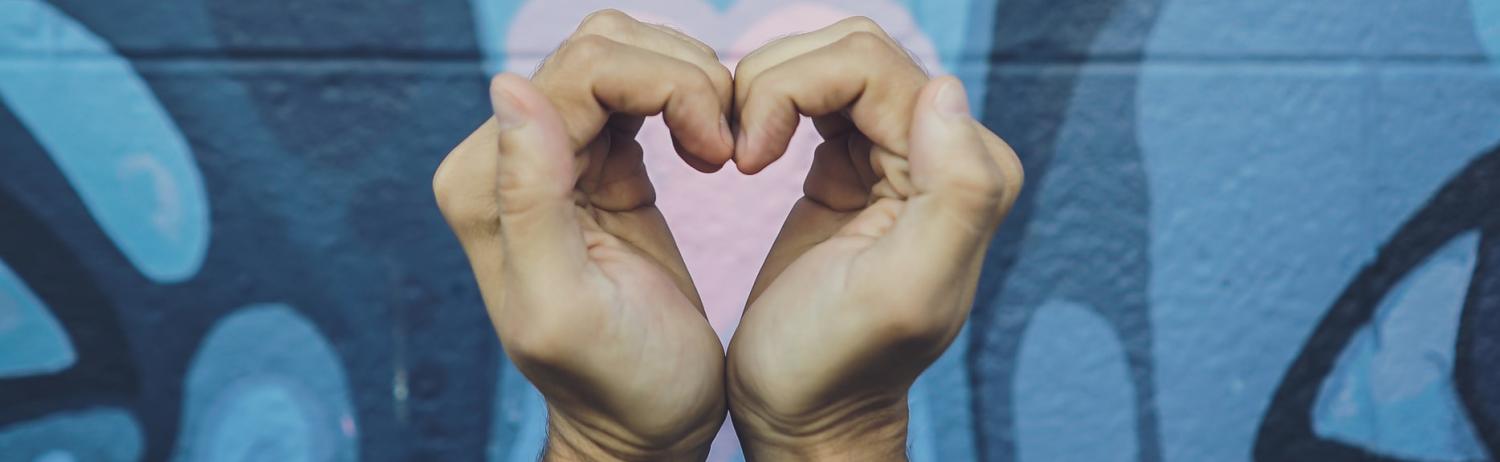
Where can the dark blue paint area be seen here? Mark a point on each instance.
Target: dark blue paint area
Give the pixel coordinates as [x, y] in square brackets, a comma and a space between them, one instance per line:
[317, 173]
[1079, 234]
[1478, 346]
[265, 386]
[1250, 229]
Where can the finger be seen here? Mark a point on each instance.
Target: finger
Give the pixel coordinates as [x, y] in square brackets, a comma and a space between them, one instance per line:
[859, 74]
[592, 77]
[692, 160]
[464, 187]
[960, 189]
[1011, 171]
[786, 48]
[620, 182]
[707, 50]
[535, 179]
[620, 27]
[834, 181]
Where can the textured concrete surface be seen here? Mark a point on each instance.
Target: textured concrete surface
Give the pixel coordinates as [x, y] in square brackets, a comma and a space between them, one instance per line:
[1251, 230]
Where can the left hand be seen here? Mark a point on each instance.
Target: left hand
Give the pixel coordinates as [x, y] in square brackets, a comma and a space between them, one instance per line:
[875, 269]
[552, 204]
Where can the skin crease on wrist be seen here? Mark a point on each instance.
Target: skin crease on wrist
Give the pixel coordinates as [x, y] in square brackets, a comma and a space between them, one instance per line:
[565, 443]
[870, 279]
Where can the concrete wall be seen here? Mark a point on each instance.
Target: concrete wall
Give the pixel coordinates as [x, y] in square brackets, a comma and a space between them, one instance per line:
[1262, 230]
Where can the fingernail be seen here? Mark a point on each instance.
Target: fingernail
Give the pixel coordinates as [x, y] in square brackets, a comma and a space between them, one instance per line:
[508, 114]
[724, 132]
[951, 99]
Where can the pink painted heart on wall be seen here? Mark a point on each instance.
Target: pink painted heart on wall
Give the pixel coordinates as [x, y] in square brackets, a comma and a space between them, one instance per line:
[724, 222]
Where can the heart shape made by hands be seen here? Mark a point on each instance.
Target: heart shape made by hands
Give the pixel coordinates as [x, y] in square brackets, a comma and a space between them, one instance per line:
[724, 223]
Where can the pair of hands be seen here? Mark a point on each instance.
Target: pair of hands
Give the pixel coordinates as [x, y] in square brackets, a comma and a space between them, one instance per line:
[870, 279]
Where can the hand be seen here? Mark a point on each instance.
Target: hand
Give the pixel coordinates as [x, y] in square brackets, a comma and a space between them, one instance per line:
[875, 268]
[579, 273]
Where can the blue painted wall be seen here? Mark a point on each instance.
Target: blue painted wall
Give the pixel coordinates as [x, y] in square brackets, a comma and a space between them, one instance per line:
[1251, 231]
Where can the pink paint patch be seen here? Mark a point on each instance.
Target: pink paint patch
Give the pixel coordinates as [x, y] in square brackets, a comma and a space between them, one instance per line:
[346, 424]
[724, 222]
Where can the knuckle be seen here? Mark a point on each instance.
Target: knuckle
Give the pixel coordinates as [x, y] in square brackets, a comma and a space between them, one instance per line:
[975, 190]
[863, 42]
[986, 187]
[745, 73]
[766, 87]
[466, 213]
[721, 78]
[510, 183]
[584, 49]
[860, 24]
[698, 82]
[442, 187]
[606, 22]
[688, 84]
[1011, 175]
[447, 190]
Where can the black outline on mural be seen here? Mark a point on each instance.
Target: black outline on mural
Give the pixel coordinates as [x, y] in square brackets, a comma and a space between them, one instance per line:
[1466, 203]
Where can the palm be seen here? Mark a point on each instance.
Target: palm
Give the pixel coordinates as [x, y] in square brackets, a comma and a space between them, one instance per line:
[653, 311]
[586, 289]
[817, 325]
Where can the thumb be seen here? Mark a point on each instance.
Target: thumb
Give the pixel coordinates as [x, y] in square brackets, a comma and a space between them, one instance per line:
[958, 185]
[539, 230]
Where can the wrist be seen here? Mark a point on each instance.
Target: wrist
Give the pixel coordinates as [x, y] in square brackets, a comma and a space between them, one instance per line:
[569, 441]
[873, 432]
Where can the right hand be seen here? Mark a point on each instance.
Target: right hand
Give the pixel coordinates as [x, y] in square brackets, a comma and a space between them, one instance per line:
[578, 271]
[874, 271]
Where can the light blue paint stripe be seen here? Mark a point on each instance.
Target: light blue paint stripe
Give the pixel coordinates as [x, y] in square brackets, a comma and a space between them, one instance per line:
[492, 20]
[963, 32]
[722, 5]
[1486, 15]
[261, 375]
[1073, 396]
[95, 435]
[33, 341]
[1391, 390]
[532, 434]
[109, 135]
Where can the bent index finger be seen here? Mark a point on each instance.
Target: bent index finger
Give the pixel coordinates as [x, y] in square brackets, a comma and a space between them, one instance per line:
[860, 75]
[620, 27]
[592, 77]
[785, 48]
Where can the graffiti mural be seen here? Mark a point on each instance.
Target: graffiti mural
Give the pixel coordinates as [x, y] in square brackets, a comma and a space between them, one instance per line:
[1251, 230]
